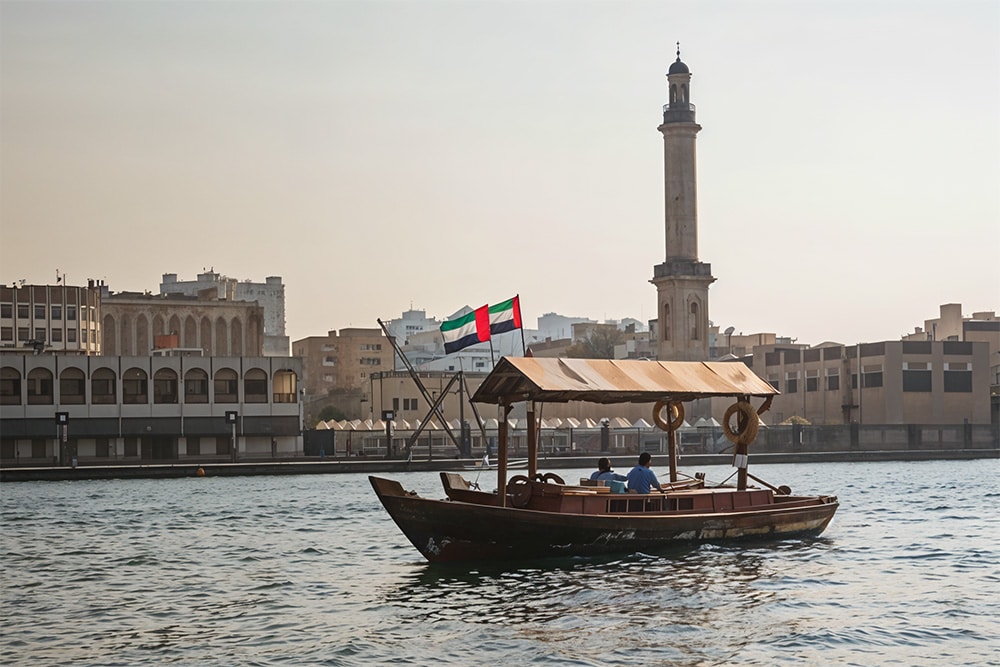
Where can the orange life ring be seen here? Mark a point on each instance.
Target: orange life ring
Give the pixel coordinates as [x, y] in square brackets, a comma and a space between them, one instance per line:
[675, 415]
[749, 432]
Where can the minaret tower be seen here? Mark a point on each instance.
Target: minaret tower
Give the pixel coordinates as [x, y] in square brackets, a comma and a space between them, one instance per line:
[681, 280]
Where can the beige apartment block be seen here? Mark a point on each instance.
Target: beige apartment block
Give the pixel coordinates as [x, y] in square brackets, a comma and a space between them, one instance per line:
[342, 362]
[902, 382]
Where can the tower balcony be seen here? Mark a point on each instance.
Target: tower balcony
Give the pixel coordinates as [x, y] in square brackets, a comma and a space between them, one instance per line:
[678, 112]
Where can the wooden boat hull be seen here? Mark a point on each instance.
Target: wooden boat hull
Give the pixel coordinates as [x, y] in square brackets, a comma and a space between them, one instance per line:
[448, 530]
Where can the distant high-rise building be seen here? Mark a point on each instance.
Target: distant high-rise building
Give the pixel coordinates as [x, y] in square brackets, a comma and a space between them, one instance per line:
[681, 280]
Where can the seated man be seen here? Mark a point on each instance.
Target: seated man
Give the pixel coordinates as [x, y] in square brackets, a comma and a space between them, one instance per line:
[605, 473]
[640, 478]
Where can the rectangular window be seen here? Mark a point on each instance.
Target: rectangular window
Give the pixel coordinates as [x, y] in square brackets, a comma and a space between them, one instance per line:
[225, 390]
[165, 390]
[39, 311]
[23, 334]
[872, 376]
[70, 335]
[22, 311]
[57, 335]
[134, 391]
[774, 382]
[83, 335]
[193, 445]
[102, 391]
[812, 380]
[70, 312]
[132, 447]
[832, 379]
[957, 381]
[792, 382]
[395, 404]
[101, 447]
[7, 333]
[71, 390]
[6, 310]
[56, 311]
[916, 376]
[196, 390]
[40, 333]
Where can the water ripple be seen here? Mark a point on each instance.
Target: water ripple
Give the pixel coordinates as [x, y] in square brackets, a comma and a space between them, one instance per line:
[310, 570]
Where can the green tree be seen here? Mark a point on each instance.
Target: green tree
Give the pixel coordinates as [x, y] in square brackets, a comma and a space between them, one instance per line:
[329, 412]
[599, 344]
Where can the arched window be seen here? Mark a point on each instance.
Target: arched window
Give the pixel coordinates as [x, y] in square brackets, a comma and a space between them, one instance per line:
[196, 386]
[221, 338]
[109, 341]
[226, 386]
[236, 347]
[72, 387]
[102, 387]
[285, 387]
[175, 326]
[125, 340]
[695, 320]
[40, 387]
[142, 341]
[206, 336]
[10, 386]
[164, 386]
[158, 326]
[190, 338]
[673, 95]
[135, 387]
[255, 386]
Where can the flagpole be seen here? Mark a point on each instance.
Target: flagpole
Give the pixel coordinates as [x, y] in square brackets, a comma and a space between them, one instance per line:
[524, 349]
[493, 359]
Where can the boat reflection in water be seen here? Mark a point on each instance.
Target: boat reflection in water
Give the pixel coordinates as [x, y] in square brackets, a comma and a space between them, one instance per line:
[540, 515]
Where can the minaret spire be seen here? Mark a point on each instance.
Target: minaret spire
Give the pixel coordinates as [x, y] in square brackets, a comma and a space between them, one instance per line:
[681, 280]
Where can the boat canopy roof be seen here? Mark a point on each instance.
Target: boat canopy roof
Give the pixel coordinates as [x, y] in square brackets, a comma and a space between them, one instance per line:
[616, 381]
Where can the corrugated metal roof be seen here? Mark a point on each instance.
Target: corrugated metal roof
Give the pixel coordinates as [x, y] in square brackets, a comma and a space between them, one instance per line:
[616, 381]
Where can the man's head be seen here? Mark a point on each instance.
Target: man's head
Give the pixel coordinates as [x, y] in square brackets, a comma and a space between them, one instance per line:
[645, 458]
[604, 464]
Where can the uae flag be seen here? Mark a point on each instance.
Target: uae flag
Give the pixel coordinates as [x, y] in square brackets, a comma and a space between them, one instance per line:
[505, 316]
[466, 330]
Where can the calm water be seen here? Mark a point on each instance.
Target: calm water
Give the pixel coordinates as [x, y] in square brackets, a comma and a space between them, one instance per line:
[309, 570]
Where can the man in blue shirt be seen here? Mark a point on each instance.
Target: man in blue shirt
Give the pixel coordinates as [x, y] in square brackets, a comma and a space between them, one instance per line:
[640, 478]
[605, 473]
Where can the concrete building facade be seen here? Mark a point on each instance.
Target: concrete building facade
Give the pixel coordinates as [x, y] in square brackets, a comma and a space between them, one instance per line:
[270, 294]
[50, 318]
[902, 382]
[132, 324]
[60, 409]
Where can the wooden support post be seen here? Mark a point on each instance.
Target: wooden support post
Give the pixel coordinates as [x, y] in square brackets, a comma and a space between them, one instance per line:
[532, 442]
[502, 453]
[672, 452]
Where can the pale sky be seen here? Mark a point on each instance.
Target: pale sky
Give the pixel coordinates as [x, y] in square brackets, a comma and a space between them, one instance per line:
[383, 155]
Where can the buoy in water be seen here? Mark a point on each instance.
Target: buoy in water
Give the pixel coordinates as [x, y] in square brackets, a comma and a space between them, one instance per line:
[200, 472]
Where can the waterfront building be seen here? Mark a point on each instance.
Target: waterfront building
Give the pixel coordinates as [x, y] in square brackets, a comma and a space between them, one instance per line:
[902, 382]
[681, 280]
[60, 409]
[137, 324]
[60, 319]
[270, 294]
